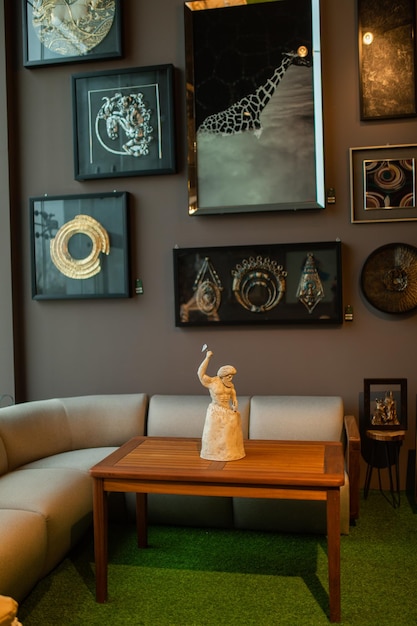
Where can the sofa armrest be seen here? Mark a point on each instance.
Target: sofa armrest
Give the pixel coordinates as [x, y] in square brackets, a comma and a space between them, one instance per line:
[353, 456]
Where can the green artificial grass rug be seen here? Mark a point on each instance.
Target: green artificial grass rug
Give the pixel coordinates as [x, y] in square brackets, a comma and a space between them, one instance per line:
[208, 577]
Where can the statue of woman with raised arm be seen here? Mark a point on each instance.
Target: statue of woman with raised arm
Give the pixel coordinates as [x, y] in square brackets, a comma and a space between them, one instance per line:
[222, 438]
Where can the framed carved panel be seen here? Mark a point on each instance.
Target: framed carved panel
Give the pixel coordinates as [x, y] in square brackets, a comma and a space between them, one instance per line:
[260, 284]
[67, 32]
[124, 122]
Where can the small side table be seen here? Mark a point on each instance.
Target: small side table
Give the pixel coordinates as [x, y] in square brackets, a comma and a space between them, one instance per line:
[393, 440]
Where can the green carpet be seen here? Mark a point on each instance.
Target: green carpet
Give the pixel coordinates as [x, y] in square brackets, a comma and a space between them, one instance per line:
[200, 577]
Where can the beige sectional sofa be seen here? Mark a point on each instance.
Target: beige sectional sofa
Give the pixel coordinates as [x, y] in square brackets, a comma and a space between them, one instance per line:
[47, 448]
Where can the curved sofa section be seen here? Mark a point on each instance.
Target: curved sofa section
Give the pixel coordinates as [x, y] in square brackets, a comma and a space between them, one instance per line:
[47, 448]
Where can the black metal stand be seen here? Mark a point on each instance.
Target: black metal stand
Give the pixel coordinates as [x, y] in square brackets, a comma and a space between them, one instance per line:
[392, 441]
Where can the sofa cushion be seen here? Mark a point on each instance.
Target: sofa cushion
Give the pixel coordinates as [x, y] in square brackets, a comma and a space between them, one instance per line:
[41, 421]
[81, 460]
[184, 416]
[302, 418]
[59, 425]
[62, 496]
[105, 420]
[22, 551]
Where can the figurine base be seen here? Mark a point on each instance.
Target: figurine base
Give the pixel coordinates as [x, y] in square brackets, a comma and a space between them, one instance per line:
[222, 438]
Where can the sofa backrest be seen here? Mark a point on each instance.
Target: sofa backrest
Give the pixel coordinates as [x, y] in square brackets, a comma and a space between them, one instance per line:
[303, 418]
[33, 430]
[105, 420]
[37, 429]
[184, 415]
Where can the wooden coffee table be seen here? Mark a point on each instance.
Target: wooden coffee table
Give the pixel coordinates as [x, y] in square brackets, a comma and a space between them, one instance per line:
[300, 470]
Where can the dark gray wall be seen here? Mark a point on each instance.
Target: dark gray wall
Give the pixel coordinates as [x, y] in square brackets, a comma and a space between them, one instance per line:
[72, 347]
[6, 319]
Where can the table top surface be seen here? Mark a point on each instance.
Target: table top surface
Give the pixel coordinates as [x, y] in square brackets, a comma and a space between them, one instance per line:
[289, 463]
[385, 435]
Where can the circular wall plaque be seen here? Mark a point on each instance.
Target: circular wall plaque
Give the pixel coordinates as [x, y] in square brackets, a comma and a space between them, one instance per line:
[389, 278]
[72, 27]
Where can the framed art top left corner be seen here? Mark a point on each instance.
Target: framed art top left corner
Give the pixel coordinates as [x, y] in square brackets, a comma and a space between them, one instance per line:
[57, 32]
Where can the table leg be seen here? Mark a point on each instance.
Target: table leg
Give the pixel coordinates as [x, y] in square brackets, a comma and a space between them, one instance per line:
[369, 472]
[142, 519]
[100, 538]
[333, 553]
[392, 453]
[397, 471]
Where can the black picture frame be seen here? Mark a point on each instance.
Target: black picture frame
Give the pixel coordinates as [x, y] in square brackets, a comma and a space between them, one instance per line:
[80, 246]
[53, 34]
[236, 55]
[296, 283]
[124, 122]
[383, 183]
[387, 59]
[385, 403]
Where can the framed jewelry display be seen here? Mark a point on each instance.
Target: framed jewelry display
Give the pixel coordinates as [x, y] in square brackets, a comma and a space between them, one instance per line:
[383, 183]
[254, 106]
[124, 122]
[80, 246]
[260, 284]
[387, 59]
[385, 403]
[389, 278]
[56, 31]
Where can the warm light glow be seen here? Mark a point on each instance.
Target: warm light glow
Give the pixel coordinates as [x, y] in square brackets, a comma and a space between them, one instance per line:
[368, 38]
[302, 51]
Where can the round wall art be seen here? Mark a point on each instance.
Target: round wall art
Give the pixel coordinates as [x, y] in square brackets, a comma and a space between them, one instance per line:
[72, 27]
[389, 278]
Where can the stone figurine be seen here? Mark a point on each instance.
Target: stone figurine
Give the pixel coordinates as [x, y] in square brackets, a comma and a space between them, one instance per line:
[222, 438]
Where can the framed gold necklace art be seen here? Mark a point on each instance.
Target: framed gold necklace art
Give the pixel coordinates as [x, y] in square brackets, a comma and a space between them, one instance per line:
[289, 283]
[80, 246]
[62, 31]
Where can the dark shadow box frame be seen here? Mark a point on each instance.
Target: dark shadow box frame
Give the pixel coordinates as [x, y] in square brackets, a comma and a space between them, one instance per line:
[36, 53]
[80, 246]
[387, 59]
[383, 183]
[385, 403]
[124, 122]
[298, 283]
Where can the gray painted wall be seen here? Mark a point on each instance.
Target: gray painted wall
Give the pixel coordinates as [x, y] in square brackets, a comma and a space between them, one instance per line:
[72, 347]
[6, 319]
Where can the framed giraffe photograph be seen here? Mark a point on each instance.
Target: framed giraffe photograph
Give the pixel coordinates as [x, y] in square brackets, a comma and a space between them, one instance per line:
[292, 283]
[254, 106]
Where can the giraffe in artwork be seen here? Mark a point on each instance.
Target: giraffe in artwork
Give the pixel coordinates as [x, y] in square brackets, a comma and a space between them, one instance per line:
[245, 114]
